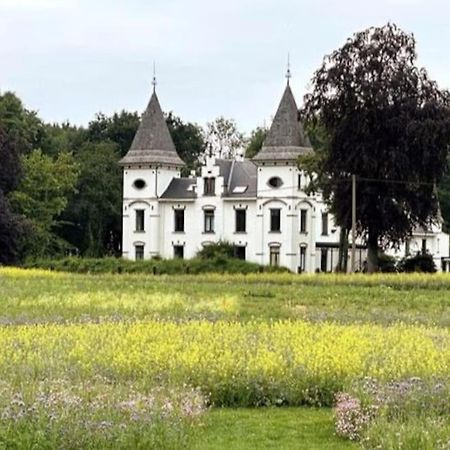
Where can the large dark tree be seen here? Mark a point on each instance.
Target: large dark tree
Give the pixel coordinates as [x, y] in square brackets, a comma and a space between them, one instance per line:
[93, 216]
[10, 224]
[444, 199]
[10, 232]
[388, 124]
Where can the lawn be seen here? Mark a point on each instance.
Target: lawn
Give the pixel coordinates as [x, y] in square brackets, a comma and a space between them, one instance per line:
[269, 428]
[120, 361]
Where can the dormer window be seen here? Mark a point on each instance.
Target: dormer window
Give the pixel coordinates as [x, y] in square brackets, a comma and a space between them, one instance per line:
[275, 182]
[209, 186]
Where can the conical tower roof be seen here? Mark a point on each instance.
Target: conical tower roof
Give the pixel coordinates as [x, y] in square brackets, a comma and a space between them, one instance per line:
[152, 143]
[286, 139]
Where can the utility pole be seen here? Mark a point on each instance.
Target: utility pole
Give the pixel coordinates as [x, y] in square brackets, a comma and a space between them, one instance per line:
[353, 223]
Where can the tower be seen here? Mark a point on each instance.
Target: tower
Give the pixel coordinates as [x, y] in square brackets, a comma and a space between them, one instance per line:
[148, 167]
[285, 216]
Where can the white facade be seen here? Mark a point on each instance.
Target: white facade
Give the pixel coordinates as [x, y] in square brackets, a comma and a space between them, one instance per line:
[258, 206]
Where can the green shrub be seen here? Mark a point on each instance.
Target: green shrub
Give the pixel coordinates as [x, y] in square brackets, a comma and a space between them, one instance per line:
[419, 263]
[221, 249]
[217, 264]
[387, 263]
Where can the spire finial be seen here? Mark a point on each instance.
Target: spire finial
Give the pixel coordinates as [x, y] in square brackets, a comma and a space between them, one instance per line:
[288, 72]
[154, 77]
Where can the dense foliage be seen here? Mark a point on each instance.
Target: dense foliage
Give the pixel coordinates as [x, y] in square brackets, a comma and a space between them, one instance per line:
[418, 263]
[189, 142]
[255, 142]
[387, 123]
[209, 262]
[221, 249]
[42, 196]
[11, 226]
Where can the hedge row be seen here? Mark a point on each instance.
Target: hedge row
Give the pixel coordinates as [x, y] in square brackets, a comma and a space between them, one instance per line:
[152, 266]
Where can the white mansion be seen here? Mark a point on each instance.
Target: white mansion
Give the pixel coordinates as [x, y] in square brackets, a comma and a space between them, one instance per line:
[258, 205]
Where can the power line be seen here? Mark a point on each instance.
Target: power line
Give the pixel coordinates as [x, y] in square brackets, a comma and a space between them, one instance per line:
[382, 180]
[349, 180]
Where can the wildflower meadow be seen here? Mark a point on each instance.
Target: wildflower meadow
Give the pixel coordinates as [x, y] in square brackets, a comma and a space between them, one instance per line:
[129, 361]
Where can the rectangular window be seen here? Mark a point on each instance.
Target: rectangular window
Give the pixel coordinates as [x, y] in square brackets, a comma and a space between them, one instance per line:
[299, 181]
[302, 259]
[323, 259]
[274, 256]
[140, 225]
[178, 251]
[240, 220]
[139, 252]
[179, 220]
[407, 247]
[239, 252]
[424, 246]
[325, 224]
[209, 186]
[303, 219]
[209, 221]
[275, 220]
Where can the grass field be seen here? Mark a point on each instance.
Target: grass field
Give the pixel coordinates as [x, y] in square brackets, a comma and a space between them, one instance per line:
[38, 296]
[145, 361]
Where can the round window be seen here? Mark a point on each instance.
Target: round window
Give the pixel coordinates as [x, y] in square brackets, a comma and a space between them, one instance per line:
[139, 184]
[275, 182]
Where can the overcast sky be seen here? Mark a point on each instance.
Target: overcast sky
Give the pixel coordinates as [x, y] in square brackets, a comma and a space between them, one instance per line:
[69, 59]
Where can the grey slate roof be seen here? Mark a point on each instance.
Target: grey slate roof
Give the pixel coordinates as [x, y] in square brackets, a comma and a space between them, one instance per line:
[243, 174]
[286, 139]
[152, 143]
[224, 167]
[234, 173]
[178, 189]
